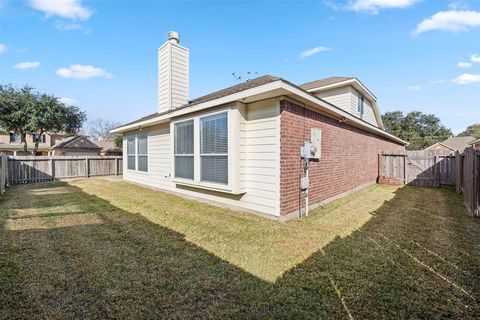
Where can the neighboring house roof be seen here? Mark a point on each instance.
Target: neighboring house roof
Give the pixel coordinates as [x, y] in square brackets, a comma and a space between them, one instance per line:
[260, 88]
[323, 82]
[474, 141]
[76, 142]
[455, 143]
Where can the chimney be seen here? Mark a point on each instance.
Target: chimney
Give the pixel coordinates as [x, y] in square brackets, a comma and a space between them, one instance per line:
[172, 74]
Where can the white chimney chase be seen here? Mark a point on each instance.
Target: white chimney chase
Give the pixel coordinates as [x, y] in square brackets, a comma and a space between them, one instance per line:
[173, 62]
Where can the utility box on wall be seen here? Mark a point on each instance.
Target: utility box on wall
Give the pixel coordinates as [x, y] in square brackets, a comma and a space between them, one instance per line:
[312, 149]
[316, 140]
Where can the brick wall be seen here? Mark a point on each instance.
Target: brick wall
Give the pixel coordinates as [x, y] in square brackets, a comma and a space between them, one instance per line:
[349, 156]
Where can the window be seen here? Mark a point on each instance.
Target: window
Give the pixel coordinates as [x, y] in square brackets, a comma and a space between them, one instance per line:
[360, 103]
[214, 148]
[15, 137]
[42, 138]
[183, 150]
[142, 150]
[131, 152]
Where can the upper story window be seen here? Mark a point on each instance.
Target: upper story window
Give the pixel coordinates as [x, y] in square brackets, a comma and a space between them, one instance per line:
[15, 137]
[214, 148]
[360, 103]
[137, 151]
[183, 150]
[201, 149]
[41, 138]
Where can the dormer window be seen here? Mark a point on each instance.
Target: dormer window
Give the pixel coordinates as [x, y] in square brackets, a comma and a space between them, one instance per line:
[361, 100]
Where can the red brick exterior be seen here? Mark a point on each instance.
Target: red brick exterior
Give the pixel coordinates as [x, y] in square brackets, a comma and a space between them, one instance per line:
[389, 180]
[349, 156]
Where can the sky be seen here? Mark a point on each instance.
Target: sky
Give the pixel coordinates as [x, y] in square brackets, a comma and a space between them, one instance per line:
[102, 55]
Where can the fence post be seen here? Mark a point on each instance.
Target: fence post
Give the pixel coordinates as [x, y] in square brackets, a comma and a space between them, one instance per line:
[405, 174]
[116, 166]
[87, 168]
[52, 169]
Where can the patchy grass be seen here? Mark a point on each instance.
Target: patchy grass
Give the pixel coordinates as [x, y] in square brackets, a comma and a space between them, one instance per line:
[96, 249]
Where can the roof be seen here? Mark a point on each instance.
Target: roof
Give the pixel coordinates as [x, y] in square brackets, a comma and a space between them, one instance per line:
[260, 88]
[456, 143]
[215, 95]
[474, 141]
[324, 82]
[76, 142]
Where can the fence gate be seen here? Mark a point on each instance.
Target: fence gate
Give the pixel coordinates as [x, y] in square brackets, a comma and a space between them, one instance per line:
[419, 168]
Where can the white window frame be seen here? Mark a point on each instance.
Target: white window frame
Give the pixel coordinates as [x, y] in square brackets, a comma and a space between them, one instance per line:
[136, 154]
[183, 155]
[360, 102]
[232, 119]
[200, 128]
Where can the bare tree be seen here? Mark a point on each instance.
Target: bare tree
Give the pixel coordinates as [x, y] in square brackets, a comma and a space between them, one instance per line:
[100, 128]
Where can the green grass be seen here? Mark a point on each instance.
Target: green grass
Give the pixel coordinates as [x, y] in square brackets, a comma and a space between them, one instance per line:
[100, 249]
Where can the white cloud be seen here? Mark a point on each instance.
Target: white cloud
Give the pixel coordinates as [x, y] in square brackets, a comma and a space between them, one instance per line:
[68, 101]
[3, 48]
[475, 58]
[78, 71]
[70, 9]
[462, 64]
[27, 65]
[374, 6]
[414, 87]
[450, 21]
[311, 52]
[467, 78]
[458, 5]
[67, 26]
[439, 81]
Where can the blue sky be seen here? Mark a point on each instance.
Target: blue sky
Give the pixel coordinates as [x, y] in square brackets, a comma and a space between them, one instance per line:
[413, 54]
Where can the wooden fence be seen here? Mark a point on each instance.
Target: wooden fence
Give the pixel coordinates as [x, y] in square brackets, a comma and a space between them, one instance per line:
[435, 169]
[3, 172]
[25, 169]
[468, 179]
[419, 168]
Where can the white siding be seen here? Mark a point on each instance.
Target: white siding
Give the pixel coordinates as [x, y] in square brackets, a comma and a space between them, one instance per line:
[346, 98]
[340, 97]
[172, 76]
[259, 161]
[368, 113]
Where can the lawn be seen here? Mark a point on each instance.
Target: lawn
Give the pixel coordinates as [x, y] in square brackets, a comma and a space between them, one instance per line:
[94, 248]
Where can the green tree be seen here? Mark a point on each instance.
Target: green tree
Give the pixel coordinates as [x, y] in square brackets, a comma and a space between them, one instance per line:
[419, 129]
[473, 130]
[24, 111]
[118, 141]
[15, 108]
[52, 115]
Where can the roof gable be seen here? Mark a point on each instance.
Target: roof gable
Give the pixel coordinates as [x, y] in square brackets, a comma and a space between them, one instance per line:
[76, 142]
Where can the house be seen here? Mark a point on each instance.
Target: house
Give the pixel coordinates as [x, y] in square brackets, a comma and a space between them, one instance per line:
[78, 145]
[10, 142]
[240, 146]
[452, 144]
[108, 147]
[475, 144]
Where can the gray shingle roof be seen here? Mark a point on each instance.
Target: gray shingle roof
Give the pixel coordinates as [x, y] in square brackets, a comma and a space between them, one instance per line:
[323, 82]
[65, 144]
[215, 95]
[458, 143]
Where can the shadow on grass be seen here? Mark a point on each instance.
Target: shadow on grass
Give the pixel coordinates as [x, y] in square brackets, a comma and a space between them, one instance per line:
[414, 259]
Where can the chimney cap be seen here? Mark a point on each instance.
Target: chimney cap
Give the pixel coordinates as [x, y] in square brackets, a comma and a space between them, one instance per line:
[173, 37]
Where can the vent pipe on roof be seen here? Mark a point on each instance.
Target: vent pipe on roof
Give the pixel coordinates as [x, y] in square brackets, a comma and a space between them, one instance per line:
[173, 60]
